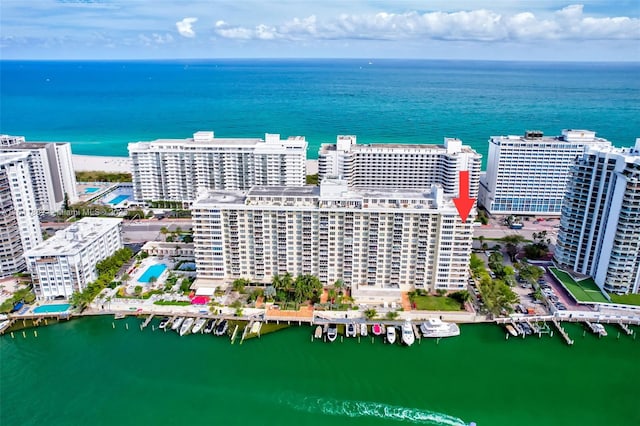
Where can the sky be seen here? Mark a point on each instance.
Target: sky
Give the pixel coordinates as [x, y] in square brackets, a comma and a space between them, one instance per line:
[593, 30]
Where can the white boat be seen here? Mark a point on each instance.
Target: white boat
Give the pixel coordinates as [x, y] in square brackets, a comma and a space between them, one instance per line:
[4, 324]
[512, 331]
[407, 334]
[177, 323]
[435, 327]
[186, 326]
[163, 323]
[197, 326]
[391, 334]
[351, 330]
[255, 328]
[363, 330]
[318, 333]
[332, 332]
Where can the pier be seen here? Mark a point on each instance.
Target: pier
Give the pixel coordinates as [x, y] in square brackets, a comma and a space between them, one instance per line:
[146, 322]
[625, 328]
[562, 332]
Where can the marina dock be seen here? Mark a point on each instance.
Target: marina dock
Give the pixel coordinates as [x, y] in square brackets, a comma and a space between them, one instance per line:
[562, 332]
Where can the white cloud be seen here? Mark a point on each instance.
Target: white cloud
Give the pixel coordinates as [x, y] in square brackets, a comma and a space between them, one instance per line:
[185, 27]
[569, 23]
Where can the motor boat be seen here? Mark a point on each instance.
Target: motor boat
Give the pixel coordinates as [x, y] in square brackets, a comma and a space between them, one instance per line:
[177, 323]
[363, 330]
[434, 327]
[186, 326]
[221, 328]
[210, 326]
[376, 329]
[164, 322]
[407, 334]
[351, 330]
[332, 332]
[198, 325]
[391, 334]
[318, 332]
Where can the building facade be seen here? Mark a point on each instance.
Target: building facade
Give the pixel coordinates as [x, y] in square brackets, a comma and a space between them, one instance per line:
[180, 169]
[600, 224]
[51, 169]
[373, 240]
[19, 224]
[528, 175]
[67, 261]
[399, 165]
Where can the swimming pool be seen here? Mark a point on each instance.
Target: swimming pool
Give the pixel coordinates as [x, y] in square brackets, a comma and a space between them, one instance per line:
[152, 271]
[91, 190]
[47, 309]
[118, 199]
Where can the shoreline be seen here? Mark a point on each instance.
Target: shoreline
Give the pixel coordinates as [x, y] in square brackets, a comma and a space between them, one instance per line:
[103, 163]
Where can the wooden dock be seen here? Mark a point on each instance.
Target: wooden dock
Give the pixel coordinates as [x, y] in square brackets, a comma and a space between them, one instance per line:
[625, 328]
[562, 332]
[146, 322]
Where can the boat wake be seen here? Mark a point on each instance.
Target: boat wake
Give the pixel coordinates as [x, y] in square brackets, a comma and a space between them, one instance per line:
[373, 409]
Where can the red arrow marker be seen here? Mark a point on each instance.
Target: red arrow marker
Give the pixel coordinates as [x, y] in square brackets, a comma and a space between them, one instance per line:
[463, 203]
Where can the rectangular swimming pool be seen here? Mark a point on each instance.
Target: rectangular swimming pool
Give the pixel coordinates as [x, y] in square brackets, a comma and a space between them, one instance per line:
[91, 190]
[47, 309]
[152, 271]
[118, 199]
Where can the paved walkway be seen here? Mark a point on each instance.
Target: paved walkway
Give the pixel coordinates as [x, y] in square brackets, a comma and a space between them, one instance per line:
[406, 303]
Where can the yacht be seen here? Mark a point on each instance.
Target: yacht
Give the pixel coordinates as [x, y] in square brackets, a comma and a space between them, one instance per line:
[435, 327]
[210, 326]
[363, 330]
[221, 328]
[177, 323]
[332, 332]
[197, 326]
[351, 330]
[391, 334]
[164, 322]
[512, 331]
[407, 334]
[186, 326]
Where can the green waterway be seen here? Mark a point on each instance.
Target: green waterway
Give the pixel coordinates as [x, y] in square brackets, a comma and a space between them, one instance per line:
[85, 372]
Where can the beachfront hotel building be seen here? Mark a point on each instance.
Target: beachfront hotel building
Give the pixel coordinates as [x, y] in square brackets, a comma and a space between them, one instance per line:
[376, 241]
[528, 175]
[67, 261]
[19, 224]
[179, 169]
[51, 171]
[600, 223]
[400, 165]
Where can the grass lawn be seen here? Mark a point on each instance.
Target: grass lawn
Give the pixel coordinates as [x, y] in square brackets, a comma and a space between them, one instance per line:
[583, 291]
[627, 299]
[436, 303]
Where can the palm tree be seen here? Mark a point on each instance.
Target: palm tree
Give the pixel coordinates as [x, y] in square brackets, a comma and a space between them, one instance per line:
[370, 313]
[270, 292]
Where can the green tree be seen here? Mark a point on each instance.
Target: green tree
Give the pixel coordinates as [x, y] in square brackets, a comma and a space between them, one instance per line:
[137, 290]
[370, 313]
[476, 264]
[513, 245]
[391, 315]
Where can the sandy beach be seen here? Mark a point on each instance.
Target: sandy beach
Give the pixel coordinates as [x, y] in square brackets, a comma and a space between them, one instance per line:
[83, 163]
[91, 163]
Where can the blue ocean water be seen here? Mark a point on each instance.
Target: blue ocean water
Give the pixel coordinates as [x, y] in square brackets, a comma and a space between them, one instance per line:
[101, 106]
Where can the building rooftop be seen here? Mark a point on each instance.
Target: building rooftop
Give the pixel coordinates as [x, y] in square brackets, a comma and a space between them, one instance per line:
[568, 135]
[348, 143]
[207, 139]
[74, 238]
[8, 157]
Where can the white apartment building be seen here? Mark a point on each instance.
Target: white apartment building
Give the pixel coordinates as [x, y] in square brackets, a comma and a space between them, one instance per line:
[51, 169]
[376, 241]
[67, 261]
[400, 165]
[179, 169]
[600, 224]
[19, 224]
[528, 175]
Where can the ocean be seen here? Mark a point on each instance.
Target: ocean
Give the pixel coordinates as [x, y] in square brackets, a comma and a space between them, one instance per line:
[85, 372]
[102, 106]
